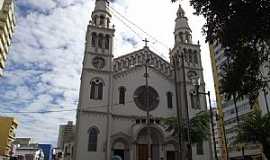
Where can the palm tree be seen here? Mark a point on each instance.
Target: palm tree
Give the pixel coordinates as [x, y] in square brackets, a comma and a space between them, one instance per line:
[256, 128]
[199, 126]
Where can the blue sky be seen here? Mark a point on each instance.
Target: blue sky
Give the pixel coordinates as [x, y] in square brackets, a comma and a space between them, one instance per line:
[44, 63]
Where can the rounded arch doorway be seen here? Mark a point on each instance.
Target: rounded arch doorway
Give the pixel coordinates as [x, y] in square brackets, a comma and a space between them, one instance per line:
[156, 140]
[120, 149]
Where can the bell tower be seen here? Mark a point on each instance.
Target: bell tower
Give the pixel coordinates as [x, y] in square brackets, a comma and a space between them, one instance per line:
[96, 87]
[182, 30]
[99, 38]
[186, 59]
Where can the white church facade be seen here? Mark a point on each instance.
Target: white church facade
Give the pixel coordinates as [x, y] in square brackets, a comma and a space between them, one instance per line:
[111, 117]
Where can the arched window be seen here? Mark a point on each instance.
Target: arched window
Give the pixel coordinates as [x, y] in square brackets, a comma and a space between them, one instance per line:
[122, 94]
[96, 89]
[102, 20]
[108, 22]
[199, 148]
[95, 20]
[94, 39]
[181, 37]
[100, 41]
[107, 42]
[93, 138]
[190, 58]
[196, 61]
[187, 37]
[169, 100]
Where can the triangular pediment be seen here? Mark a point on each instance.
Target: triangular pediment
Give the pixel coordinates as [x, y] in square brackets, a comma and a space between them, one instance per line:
[127, 63]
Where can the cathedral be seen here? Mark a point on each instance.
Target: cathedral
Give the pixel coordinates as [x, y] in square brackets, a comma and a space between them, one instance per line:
[122, 100]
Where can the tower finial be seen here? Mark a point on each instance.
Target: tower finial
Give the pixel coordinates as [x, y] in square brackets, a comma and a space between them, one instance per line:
[182, 29]
[102, 5]
[180, 12]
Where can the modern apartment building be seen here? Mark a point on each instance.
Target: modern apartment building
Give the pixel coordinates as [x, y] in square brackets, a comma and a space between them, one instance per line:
[66, 134]
[7, 135]
[7, 28]
[227, 113]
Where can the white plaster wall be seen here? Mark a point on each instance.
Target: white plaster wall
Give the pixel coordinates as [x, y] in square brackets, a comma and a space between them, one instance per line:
[131, 82]
[122, 125]
[89, 104]
[90, 120]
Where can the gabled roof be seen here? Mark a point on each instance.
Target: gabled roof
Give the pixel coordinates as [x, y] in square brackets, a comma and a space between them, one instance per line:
[138, 58]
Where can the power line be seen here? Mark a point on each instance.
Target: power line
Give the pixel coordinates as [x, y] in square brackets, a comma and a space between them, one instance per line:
[156, 50]
[128, 26]
[40, 112]
[138, 27]
[57, 111]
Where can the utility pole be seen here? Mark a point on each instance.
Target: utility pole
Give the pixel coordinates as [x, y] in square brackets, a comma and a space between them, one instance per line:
[179, 117]
[185, 147]
[147, 105]
[186, 120]
[238, 124]
[197, 86]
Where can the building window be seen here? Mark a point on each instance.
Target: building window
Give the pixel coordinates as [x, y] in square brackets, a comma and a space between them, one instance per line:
[122, 92]
[100, 41]
[96, 89]
[66, 150]
[199, 147]
[169, 100]
[181, 37]
[196, 58]
[190, 58]
[94, 39]
[107, 42]
[92, 141]
[95, 20]
[108, 22]
[187, 37]
[102, 20]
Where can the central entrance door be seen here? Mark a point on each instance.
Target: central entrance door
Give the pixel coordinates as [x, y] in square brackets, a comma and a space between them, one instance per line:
[155, 138]
[142, 151]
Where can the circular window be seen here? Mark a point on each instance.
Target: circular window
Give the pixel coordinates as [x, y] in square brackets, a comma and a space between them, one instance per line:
[98, 62]
[146, 98]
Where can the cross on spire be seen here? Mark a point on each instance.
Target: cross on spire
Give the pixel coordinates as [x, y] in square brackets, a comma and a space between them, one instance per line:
[145, 41]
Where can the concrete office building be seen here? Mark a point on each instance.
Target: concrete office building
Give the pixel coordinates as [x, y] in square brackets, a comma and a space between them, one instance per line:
[227, 113]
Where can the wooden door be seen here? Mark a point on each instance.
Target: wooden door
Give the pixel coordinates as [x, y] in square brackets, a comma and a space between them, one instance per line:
[142, 151]
[171, 155]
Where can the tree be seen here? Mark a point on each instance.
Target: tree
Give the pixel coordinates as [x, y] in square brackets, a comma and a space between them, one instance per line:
[199, 126]
[255, 128]
[243, 28]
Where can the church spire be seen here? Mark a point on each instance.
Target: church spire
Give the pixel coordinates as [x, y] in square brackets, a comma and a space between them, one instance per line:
[101, 15]
[182, 29]
[101, 5]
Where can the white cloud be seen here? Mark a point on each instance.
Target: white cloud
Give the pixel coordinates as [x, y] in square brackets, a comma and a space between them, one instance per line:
[46, 57]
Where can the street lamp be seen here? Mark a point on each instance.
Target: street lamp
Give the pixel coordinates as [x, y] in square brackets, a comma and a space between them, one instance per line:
[196, 83]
